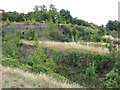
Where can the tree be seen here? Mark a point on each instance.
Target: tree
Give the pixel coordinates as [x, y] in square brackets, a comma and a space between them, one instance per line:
[66, 15]
[91, 75]
[15, 16]
[43, 8]
[52, 7]
[54, 15]
[36, 8]
[112, 25]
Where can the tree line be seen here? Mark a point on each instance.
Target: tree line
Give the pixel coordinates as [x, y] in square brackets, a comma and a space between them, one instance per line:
[42, 13]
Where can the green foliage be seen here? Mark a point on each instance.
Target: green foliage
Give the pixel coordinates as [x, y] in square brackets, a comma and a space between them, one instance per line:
[112, 25]
[10, 48]
[3, 34]
[6, 61]
[30, 34]
[38, 58]
[65, 15]
[15, 16]
[75, 33]
[91, 76]
[58, 77]
[36, 40]
[52, 26]
[8, 21]
[28, 22]
[32, 21]
[19, 43]
[40, 68]
[111, 47]
[36, 64]
[57, 55]
[85, 68]
[44, 35]
[9, 44]
[111, 80]
[26, 68]
[55, 34]
[101, 63]
[20, 35]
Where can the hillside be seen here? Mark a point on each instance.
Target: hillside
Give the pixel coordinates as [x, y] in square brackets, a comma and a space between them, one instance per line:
[70, 46]
[15, 78]
[51, 49]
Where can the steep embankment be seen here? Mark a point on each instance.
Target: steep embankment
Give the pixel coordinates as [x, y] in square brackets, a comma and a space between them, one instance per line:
[19, 79]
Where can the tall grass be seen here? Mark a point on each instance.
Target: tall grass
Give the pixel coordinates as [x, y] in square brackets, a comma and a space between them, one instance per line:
[29, 80]
[70, 46]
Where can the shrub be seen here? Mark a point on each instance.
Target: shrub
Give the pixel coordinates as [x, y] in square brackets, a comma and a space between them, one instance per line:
[36, 40]
[91, 76]
[111, 80]
[44, 35]
[58, 77]
[38, 58]
[79, 67]
[57, 55]
[56, 35]
[37, 68]
[30, 34]
[10, 62]
[19, 43]
[103, 62]
[26, 67]
[10, 49]
[20, 35]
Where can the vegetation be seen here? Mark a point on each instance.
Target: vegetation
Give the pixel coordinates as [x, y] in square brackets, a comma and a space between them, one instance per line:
[15, 78]
[67, 49]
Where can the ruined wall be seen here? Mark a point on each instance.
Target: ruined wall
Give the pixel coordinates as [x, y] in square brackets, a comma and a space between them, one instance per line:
[23, 27]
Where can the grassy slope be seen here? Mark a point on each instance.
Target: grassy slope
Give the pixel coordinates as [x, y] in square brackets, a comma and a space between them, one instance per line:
[19, 79]
[69, 46]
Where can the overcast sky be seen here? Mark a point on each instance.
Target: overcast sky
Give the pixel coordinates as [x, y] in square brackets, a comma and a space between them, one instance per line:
[95, 11]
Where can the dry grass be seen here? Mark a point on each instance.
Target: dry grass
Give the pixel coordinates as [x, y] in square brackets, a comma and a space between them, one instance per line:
[111, 38]
[70, 46]
[19, 79]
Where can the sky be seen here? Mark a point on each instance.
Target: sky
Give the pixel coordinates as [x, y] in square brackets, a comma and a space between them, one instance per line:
[93, 11]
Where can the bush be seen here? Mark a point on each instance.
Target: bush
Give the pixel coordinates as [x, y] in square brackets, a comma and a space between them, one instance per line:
[103, 62]
[58, 77]
[79, 67]
[26, 67]
[111, 80]
[10, 62]
[57, 55]
[30, 34]
[10, 49]
[20, 35]
[56, 35]
[19, 43]
[37, 68]
[91, 76]
[38, 58]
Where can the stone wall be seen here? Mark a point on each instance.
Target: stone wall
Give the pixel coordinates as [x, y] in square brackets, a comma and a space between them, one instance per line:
[23, 27]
